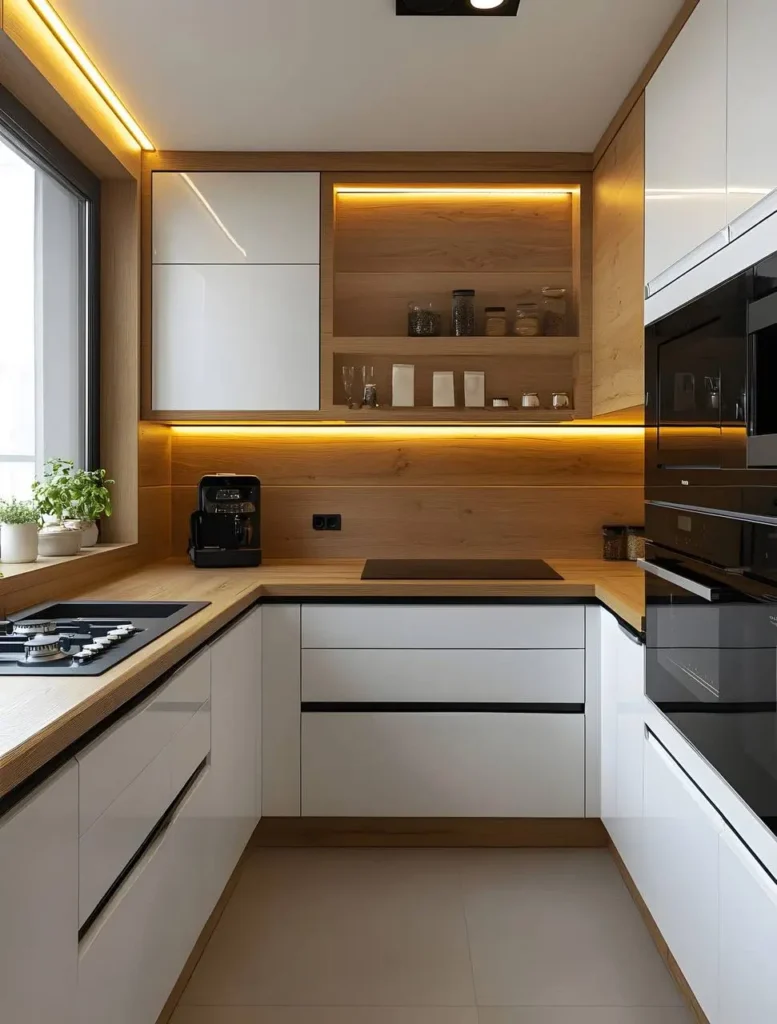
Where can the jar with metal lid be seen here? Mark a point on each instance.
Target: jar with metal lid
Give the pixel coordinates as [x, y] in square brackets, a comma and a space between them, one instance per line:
[527, 320]
[463, 313]
[554, 312]
[530, 400]
[423, 320]
[496, 321]
[560, 400]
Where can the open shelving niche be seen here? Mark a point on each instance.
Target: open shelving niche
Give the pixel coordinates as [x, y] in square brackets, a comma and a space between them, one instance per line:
[388, 242]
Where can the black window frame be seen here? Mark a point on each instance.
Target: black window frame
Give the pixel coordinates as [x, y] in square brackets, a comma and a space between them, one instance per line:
[34, 140]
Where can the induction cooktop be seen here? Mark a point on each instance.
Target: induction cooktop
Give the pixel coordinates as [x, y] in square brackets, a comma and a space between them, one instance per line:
[458, 569]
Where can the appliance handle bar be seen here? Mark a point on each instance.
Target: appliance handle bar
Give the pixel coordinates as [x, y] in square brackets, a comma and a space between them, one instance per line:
[706, 593]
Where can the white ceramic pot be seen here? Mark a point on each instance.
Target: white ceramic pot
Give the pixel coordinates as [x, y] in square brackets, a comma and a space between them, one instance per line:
[88, 528]
[58, 541]
[19, 543]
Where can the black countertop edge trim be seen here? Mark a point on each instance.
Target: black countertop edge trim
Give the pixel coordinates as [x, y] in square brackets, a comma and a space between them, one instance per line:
[406, 707]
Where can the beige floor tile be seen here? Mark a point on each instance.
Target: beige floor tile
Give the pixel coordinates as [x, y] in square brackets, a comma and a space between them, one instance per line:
[325, 1015]
[340, 928]
[559, 928]
[583, 1015]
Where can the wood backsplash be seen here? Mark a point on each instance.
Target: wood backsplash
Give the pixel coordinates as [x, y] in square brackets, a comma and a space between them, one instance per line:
[422, 492]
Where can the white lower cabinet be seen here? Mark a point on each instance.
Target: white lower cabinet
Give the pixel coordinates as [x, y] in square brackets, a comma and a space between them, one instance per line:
[680, 877]
[443, 764]
[39, 905]
[748, 937]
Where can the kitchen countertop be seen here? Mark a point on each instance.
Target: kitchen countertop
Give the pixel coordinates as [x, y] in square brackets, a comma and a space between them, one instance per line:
[41, 716]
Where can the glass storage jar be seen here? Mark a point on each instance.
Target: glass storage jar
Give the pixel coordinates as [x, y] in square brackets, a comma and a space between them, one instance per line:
[423, 320]
[496, 321]
[463, 313]
[527, 320]
[554, 312]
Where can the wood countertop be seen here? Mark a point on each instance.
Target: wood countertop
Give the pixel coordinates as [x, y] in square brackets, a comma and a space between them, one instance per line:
[41, 716]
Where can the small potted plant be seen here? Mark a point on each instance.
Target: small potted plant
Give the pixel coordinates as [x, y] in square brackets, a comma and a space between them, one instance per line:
[89, 500]
[19, 522]
[53, 498]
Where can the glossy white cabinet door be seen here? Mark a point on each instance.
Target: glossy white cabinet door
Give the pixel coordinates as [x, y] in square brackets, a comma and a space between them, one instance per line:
[630, 713]
[242, 339]
[39, 904]
[281, 675]
[449, 764]
[609, 722]
[752, 98]
[748, 937]
[685, 144]
[680, 877]
[236, 217]
[235, 716]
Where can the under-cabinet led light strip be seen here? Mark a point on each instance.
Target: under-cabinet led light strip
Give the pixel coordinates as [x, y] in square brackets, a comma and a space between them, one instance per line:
[76, 52]
[473, 191]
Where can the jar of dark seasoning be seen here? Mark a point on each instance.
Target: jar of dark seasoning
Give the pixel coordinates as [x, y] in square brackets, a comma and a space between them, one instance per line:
[463, 313]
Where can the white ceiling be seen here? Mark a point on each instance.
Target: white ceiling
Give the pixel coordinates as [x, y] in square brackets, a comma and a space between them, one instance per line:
[350, 75]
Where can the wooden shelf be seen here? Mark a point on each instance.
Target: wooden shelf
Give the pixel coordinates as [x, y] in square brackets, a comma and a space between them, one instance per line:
[455, 415]
[447, 346]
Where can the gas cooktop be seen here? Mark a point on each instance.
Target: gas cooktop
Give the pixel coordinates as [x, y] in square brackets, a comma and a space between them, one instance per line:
[78, 638]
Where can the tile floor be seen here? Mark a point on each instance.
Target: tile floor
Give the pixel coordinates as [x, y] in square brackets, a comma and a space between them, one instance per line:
[431, 937]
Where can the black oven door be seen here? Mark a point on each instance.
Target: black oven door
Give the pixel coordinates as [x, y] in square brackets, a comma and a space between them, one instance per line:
[762, 328]
[711, 664]
[696, 373]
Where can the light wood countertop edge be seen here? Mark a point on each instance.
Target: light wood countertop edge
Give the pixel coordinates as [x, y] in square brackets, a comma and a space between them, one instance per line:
[28, 701]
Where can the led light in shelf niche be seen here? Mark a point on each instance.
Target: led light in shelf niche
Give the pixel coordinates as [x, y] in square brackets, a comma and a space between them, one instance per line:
[339, 431]
[511, 192]
[75, 51]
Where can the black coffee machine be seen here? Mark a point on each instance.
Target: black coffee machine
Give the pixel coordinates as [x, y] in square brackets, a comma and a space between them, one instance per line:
[225, 529]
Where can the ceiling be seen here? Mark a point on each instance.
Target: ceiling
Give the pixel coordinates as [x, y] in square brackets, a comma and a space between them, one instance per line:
[350, 75]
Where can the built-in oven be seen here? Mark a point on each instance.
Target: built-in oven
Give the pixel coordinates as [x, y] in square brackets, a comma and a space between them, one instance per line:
[711, 389]
[711, 642]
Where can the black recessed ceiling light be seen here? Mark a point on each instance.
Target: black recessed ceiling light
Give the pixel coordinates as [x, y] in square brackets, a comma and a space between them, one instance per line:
[459, 8]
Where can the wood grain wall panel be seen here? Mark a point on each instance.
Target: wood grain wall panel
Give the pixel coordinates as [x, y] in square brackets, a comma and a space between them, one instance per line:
[155, 523]
[431, 233]
[392, 458]
[433, 522]
[154, 454]
[618, 292]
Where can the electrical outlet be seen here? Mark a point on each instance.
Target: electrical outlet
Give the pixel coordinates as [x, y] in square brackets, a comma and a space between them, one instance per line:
[327, 522]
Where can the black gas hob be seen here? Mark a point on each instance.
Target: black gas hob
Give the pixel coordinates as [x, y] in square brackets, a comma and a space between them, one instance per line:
[77, 638]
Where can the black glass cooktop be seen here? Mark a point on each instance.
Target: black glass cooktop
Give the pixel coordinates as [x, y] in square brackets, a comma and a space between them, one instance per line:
[458, 569]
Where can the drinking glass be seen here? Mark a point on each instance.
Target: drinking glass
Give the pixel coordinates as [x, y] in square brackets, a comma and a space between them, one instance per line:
[349, 378]
[369, 390]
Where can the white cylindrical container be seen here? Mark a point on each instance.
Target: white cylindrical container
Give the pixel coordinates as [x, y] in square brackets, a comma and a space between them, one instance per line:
[442, 389]
[474, 389]
[18, 543]
[58, 542]
[403, 385]
[88, 528]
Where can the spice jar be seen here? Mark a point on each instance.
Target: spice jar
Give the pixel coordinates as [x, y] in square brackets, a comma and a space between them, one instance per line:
[635, 543]
[530, 400]
[560, 400]
[423, 321]
[463, 313]
[527, 320]
[554, 312]
[496, 321]
[614, 543]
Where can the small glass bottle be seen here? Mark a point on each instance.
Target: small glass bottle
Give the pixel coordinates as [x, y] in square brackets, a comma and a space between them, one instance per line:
[463, 313]
[527, 320]
[496, 321]
[554, 312]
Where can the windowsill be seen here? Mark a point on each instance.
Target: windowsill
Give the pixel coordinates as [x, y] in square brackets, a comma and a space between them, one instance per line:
[105, 557]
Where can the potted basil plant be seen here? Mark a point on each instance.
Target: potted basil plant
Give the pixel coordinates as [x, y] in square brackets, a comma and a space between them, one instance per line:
[18, 531]
[90, 499]
[53, 498]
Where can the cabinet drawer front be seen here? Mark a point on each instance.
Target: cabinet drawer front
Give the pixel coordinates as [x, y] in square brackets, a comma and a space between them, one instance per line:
[267, 217]
[267, 321]
[114, 839]
[493, 627]
[468, 676]
[108, 766]
[442, 765]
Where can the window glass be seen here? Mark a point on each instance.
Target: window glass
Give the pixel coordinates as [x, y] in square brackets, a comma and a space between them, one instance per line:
[44, 343]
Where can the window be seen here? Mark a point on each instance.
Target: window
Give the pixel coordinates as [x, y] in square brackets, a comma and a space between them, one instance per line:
[49, 287]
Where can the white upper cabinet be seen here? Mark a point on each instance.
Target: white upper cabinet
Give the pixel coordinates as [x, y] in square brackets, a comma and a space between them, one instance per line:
[240, 338]
[236, 217]
[752, 100]
[685, 148]
[39, 905]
